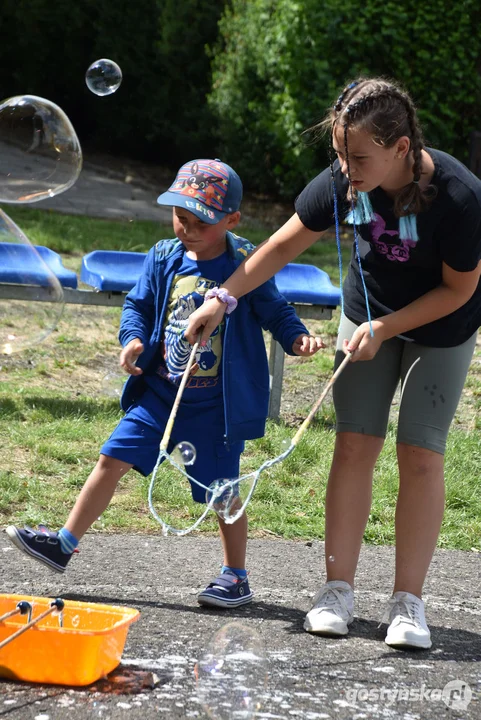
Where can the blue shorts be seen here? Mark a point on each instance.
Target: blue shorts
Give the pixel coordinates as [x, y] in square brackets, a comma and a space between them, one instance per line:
[136, 439]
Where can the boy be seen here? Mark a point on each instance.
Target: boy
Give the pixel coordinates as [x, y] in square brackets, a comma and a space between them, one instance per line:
[225, 400]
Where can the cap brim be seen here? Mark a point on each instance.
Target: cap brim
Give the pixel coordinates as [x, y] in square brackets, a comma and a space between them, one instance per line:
[206, 214]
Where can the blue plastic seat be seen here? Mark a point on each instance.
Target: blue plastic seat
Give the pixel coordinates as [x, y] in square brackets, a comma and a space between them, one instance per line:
[114, 270]
[19, 265]
[307, 284]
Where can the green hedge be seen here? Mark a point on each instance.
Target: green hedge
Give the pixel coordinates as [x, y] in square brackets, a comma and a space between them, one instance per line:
[279, 64]
[159, 112]
[269, 69]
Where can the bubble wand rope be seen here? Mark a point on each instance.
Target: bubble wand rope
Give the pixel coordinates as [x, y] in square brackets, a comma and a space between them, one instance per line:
[216, 492]
[231, 519]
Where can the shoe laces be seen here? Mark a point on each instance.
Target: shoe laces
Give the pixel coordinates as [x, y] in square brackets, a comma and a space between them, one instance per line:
[405, 606]
[332, 599]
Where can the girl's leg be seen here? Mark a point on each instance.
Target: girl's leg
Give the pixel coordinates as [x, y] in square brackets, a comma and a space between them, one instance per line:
[96, 494]
[348, 502]
[429, 401]
[419, 514]
[362, 398]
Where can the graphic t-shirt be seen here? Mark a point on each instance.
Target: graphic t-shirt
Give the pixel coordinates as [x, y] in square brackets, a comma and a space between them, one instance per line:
[187, 291]
[397, 272]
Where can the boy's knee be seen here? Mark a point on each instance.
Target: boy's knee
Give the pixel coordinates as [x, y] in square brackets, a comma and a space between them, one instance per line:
[108, 464]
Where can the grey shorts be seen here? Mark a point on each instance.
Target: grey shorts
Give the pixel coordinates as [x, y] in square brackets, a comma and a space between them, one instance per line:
[364, 391]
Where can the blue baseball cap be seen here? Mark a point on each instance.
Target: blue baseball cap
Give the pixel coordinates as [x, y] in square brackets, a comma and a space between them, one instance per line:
[209, 189]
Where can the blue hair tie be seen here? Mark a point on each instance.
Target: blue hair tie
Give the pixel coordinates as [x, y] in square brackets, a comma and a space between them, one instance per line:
[341, 97]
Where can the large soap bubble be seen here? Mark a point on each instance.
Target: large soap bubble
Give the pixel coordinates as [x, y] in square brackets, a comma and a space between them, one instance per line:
[232, 675]
[103, 77]
[40, 155]
[31, 296]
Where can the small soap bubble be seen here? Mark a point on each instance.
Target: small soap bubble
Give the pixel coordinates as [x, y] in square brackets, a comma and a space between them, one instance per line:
[331, 558]
[285, 445]
[184, 453]
[103, 77]
[40, 154]
[113, 384]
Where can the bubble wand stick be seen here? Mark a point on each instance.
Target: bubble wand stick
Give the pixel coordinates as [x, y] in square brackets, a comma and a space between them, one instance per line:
[320, 400]
[163, 454]
[170, 422]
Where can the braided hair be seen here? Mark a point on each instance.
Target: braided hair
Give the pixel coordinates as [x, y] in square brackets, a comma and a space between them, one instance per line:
[386, 112]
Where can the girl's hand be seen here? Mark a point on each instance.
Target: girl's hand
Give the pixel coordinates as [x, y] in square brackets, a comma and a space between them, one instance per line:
[306, 345]
[205, 319]
[362, 345]
[129, 355]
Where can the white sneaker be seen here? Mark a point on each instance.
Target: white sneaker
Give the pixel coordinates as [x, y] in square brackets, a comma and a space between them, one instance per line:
[407, 624]
[332, 611]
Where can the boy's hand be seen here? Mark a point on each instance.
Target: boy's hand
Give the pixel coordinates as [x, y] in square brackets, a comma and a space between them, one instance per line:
[129, 355]
[306, 345]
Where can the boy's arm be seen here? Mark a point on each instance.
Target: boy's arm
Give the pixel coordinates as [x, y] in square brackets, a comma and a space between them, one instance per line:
[138, 312]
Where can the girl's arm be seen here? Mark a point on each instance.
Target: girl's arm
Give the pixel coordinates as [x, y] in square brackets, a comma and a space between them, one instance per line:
[265, 261]
[455, 290]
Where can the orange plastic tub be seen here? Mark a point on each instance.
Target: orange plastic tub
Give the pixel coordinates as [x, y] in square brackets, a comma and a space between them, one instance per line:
[86, 648]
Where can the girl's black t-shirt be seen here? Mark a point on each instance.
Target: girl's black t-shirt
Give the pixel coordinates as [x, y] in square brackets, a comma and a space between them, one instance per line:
[397, 272]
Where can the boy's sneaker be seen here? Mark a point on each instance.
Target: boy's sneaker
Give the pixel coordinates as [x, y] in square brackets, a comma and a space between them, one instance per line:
[407, 624]
[226, 591]
[41, 544]
[332, 611]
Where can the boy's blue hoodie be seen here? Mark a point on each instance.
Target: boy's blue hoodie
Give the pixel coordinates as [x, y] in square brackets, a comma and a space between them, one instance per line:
[245, 373]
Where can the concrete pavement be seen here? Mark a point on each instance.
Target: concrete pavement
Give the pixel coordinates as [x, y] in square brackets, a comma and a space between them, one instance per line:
[306, 676]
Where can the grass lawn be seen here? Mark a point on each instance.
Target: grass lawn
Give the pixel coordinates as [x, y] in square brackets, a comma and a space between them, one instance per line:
[54, 416]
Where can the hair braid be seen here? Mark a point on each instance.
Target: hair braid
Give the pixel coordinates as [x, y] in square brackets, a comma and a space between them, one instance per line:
[413, 199]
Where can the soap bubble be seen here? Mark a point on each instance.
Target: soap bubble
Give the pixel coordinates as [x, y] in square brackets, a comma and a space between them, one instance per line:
[26, 276]
[232, 496]
[40, 155]
[232, 675]
[184, 453]
[285, 445]
[113, 384]
[103, 77]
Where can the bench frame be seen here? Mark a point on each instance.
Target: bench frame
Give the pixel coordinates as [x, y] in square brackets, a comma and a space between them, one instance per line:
[11, 291]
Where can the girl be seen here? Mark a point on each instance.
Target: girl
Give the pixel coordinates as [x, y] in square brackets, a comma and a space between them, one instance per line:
[412, 305]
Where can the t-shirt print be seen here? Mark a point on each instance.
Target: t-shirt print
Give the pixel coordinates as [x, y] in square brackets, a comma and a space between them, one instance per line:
[387, 242]
[186, 295]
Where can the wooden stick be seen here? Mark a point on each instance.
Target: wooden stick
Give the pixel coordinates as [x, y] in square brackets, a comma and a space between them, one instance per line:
[170, 422]
[23, 607]
[57, 604]
[318, 402]
[15, 611]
